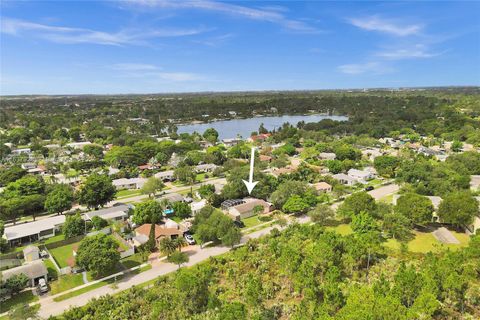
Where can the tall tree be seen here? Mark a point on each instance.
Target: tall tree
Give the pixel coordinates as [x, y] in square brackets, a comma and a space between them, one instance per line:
[417, 208]
[59, 199]
[96, 191]
[458, 208]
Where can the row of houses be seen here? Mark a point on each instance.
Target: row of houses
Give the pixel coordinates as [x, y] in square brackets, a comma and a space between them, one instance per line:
[49, 227]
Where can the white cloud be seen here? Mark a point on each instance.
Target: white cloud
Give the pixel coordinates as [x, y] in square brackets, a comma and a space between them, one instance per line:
[361, 68]
[416, 52]
[273, 15]
[70, 35]
[375, 23]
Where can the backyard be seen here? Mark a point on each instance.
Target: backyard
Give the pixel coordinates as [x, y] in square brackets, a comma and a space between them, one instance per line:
[64, 255]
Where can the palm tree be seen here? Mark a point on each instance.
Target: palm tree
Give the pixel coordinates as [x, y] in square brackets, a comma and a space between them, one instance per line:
[180, 242]
[167, 246]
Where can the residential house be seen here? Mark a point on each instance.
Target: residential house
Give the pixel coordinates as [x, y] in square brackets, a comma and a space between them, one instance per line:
[247, 209]
[132, 183]
[327, 156]
[322, 187]
[345, 179]
[172, 197]
[116, 213]
[78, 145]
[33, 231]
[259, 137]
[21, 151]
[169, 229]
[231, 142]
[371, 153]
[165, 175]
[205, 168]
[197, 206]
[28, 165]
[362, 176]
[34, 271]
[265, 158]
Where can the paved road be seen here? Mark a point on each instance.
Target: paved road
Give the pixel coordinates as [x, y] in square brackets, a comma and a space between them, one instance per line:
[50, 307]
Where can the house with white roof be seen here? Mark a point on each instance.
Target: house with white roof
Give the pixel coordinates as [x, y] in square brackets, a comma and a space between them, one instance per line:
[33, 231]
[119, 212]
[132, 183]
[362, 176]
[345, 179]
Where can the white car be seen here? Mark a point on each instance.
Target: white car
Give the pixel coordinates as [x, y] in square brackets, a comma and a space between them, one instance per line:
[189, 239]
[42, 285]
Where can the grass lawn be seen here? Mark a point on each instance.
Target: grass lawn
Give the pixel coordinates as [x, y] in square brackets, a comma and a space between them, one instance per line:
[21, 298]
[95, 286]
[343, 229]
[63, 254]
[387, 199]
[66, 282]
[128, 193]
[426, 242]
[52, 271]
[58, 237]
[252, 221]
[200, 177]
[132, 261]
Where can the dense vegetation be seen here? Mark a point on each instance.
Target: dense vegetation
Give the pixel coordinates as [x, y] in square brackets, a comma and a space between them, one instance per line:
[306, 272]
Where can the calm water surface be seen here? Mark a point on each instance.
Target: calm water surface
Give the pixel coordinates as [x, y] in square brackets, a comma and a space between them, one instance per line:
[243, 127]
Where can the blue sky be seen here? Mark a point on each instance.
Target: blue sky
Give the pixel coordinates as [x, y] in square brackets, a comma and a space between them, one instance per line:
[150, 46]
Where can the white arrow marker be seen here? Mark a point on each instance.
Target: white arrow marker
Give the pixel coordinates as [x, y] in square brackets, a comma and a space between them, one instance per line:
[250, 184]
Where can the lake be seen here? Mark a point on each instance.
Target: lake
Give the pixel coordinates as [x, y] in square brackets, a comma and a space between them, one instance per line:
[243, 127]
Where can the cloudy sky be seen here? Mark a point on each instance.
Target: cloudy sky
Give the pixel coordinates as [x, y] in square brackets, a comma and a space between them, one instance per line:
[150, 46]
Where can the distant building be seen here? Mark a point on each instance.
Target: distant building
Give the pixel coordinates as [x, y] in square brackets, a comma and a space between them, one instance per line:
[231, 142]
[259, 137]
[322, 187]
[265, 158]
[205, 168]
[327, 156]
[362, 176]
[78, 145]
[165, 175]
[345, 179]
[21, 151]
[172, 197]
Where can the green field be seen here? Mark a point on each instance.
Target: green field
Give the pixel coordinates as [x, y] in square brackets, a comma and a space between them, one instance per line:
[63, 254]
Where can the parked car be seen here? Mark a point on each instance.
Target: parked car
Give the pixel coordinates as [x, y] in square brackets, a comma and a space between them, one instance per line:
[42, 286]
[43, 254]
[369, 188]
[239, 223]
[77, 270]
[189, 239]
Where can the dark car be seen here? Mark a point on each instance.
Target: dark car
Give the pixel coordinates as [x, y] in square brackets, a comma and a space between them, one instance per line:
[369, 188]
[239, 224]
